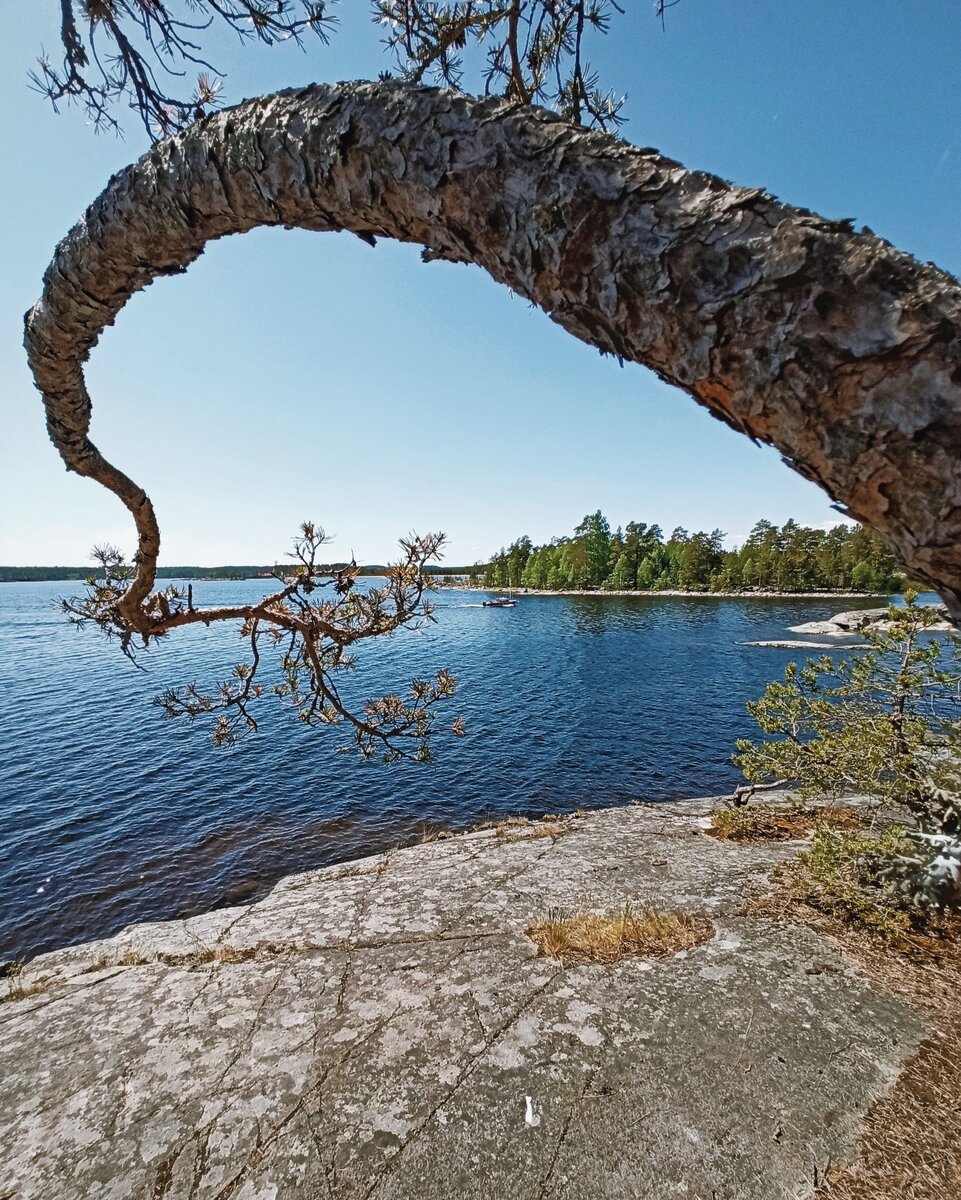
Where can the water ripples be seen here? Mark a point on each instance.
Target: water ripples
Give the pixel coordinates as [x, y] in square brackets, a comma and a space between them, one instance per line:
[110, 814]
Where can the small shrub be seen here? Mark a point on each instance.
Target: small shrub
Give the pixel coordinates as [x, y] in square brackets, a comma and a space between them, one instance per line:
[588, 937]
[859, 876]
[884, 724]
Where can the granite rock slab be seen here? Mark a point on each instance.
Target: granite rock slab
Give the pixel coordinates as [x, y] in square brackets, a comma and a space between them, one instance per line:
[386, 1029]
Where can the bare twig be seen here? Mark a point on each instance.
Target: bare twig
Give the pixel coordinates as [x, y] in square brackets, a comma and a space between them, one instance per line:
[144, 36]
[535, 49]
[741, 795]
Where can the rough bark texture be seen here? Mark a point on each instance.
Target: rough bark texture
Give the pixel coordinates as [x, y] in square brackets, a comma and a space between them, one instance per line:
[833, 346]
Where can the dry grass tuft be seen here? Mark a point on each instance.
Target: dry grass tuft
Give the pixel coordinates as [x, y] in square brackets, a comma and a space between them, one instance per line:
[227, 954]
[588, 937]
[513, 829]
[503, 827]
[779, 822]
[543, 831]
[23, 991]
[129, 958]
[219, 953]
[432, 831]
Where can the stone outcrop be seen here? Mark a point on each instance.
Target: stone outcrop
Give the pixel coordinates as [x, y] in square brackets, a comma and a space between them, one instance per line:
[795, 644]
[386, 1029]
[846, 623]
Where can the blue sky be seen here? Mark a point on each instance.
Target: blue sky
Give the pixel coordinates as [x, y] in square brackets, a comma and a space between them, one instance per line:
[290, 375]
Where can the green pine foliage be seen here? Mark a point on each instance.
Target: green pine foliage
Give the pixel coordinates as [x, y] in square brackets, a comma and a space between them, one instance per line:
[885, 724]
[847, 872]
[638, 557]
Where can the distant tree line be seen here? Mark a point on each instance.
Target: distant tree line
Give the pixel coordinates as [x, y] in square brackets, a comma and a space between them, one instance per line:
[48, 574]
[41, 574]
[792, 558]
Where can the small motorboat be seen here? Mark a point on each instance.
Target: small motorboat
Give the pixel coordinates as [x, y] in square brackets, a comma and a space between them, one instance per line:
[500, 602]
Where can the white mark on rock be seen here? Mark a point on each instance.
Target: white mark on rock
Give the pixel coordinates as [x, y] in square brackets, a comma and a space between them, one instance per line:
[721, 971]
[729, 943]
[590, 1036]
[531, 1117]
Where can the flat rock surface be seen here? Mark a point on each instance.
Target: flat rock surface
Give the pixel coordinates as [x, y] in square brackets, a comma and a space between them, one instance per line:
[821, 628]
[375, 1030]
[794, 644]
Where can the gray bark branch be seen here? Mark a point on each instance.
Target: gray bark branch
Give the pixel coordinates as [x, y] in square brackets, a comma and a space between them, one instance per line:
[831, 345]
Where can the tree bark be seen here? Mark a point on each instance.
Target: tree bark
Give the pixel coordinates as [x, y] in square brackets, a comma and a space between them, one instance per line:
[831, 345]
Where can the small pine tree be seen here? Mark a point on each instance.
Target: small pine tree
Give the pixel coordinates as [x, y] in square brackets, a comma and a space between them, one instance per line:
[885, 724]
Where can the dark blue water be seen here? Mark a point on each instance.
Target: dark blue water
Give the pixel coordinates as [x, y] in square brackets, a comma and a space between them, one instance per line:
[110, 814]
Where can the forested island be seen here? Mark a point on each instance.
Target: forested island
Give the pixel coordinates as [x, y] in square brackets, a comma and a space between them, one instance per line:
[789, 558]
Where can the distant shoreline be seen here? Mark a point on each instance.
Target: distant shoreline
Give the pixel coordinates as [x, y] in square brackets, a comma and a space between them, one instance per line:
[229, 574]
[8, 575]
[443, 585]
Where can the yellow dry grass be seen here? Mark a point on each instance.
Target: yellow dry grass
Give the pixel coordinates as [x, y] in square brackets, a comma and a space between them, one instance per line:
[591, 937]
[514, 829]
[23, 991]
[228, 954]
[779, 822]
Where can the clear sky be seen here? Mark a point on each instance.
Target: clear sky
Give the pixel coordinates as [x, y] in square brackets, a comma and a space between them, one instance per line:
[291, 375]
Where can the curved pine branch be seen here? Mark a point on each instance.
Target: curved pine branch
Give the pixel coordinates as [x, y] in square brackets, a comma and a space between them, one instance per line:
[831, 345]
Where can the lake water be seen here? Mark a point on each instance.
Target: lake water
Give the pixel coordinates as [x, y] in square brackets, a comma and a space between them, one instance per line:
[110, 814]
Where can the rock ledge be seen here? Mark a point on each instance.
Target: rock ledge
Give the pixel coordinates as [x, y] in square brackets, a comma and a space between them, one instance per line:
[376, 1030]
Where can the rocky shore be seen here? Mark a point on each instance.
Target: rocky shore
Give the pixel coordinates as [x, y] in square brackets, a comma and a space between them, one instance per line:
[846, 623]
[845, 626]
[387, 1029]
